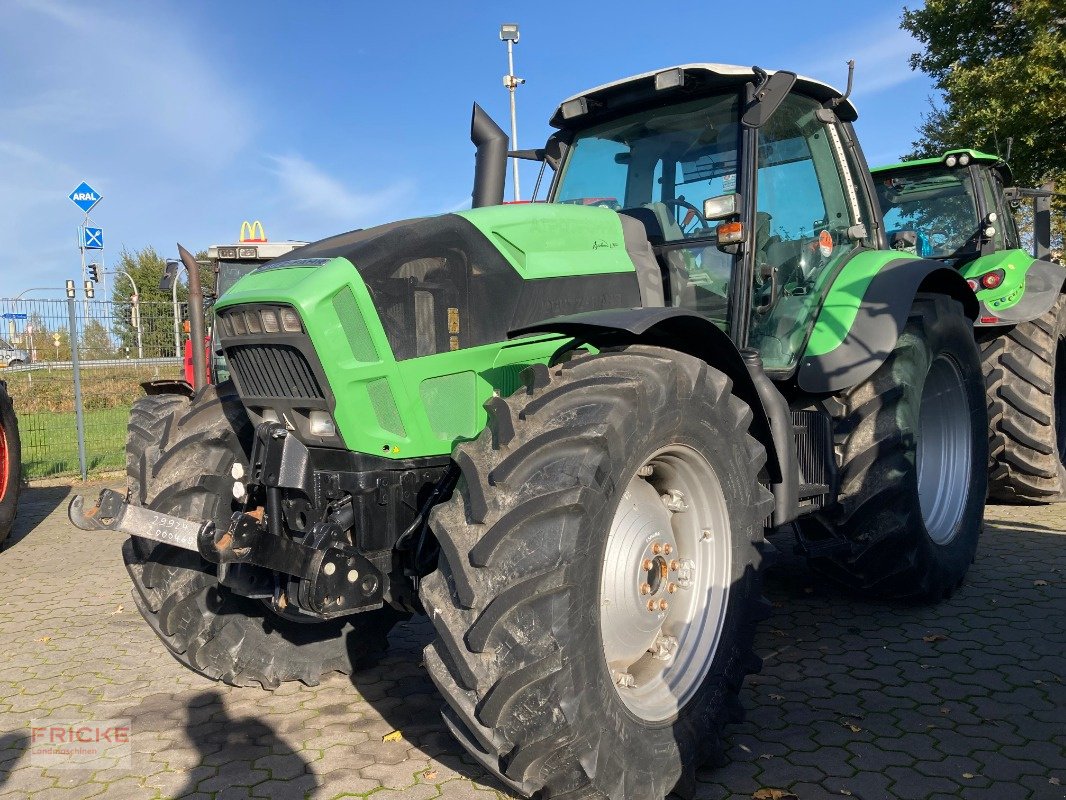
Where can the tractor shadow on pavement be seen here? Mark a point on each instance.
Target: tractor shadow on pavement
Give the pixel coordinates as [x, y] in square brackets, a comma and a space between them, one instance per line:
[35, 504]
[222, 739]
[13, 747]
[399, 688]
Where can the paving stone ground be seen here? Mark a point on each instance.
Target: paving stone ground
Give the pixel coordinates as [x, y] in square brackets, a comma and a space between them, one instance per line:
[856, 699]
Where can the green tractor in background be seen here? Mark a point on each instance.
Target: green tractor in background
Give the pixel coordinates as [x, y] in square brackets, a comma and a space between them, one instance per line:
[957, 209]
[564, 429]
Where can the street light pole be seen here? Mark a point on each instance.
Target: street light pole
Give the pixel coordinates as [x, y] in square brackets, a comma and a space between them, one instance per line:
[135, 311]
[509, 34]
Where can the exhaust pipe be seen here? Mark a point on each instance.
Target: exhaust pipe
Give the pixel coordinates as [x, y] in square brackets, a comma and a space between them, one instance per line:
[490, 161]
[196, 318]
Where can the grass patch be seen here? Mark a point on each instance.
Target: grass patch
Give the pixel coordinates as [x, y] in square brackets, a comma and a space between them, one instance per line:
[50, 442]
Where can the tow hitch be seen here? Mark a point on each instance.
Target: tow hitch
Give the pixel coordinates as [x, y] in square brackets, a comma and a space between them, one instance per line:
[333, 579]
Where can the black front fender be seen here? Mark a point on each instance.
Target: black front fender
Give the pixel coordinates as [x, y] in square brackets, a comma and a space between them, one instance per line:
[674, 329]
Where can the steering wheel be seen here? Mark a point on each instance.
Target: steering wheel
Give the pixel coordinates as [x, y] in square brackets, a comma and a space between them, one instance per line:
[694, 215]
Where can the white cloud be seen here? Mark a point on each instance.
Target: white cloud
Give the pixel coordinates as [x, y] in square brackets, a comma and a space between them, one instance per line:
[310, 190]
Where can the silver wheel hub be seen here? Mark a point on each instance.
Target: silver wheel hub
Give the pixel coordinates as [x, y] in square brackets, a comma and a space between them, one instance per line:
[665, 582]
[945, 450]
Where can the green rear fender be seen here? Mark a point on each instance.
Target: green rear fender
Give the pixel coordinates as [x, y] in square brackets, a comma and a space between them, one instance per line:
[1029, 287]
[864, 313]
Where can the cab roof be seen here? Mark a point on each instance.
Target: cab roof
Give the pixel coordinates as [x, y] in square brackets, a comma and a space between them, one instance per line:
[976, 156]
[688, 81]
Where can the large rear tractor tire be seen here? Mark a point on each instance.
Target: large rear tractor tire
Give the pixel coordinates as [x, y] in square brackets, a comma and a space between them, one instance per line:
[10, 463]
[599, 579]
[1025, 376]
[206, 626]
[913, 454]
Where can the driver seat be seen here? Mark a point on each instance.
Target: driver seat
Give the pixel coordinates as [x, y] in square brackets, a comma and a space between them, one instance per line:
[660, 227]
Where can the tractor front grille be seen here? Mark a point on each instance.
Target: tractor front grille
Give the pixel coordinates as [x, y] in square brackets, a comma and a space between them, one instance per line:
[273, 370]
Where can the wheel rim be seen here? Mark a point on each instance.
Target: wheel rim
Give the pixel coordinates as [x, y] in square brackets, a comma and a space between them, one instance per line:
[1059, 389]
[945, 450]
[665, 584]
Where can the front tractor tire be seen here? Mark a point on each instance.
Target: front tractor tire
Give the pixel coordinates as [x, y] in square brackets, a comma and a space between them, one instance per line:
[206, 626]
[1025, 375]
[599, 578]
[913, 452]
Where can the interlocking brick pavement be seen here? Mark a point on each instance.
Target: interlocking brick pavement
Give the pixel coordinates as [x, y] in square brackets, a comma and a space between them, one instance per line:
[856, 699]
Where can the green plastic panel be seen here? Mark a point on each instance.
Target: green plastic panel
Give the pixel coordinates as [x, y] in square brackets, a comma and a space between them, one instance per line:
[976, 155]
[1015, 264]
[380, 406]
[551, 240]
[844, 298]
[449, 401]
[354, 325]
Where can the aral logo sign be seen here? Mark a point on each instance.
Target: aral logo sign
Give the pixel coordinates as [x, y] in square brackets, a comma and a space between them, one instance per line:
[84, 197]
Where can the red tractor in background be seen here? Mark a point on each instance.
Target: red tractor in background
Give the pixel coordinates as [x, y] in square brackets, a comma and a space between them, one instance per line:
[229, 263]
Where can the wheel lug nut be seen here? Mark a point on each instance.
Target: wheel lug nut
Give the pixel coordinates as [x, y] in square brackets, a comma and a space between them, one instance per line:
[645, 588]
[671, 588]
[646, 564]
[656, 548]
[673, 566]
[663, 605]
[653, 605]
[668, 549]
[646, 471]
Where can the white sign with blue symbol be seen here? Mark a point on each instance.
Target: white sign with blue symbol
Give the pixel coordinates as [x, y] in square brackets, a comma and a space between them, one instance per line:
[92, 238]
[84, 197]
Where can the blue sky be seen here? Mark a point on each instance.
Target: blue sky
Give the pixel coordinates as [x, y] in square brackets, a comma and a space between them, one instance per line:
[318, 117]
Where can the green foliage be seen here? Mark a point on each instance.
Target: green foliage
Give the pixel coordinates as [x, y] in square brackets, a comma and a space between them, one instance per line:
[1001, 68]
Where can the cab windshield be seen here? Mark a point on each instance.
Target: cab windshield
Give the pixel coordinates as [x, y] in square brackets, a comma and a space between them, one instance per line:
[668, 160]
[229, 272]
[934, 204]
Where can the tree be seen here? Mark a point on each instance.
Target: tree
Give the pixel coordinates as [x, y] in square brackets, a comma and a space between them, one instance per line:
[95, 341]
[1000, 66]
[156, 315]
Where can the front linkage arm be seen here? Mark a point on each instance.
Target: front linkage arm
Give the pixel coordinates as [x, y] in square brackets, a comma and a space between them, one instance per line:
[331, 574]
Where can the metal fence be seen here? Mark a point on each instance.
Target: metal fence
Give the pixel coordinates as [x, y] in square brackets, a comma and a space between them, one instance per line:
[116, 347]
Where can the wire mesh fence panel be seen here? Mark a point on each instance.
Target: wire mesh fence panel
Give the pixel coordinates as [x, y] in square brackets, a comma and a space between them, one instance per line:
[119, 346]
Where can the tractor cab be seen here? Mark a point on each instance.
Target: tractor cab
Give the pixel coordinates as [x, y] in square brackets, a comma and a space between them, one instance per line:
[728, 172]
[231, 262]
[952, 208]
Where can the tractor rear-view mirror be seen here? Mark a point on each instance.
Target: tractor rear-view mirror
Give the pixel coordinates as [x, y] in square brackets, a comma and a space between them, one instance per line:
[768, 97]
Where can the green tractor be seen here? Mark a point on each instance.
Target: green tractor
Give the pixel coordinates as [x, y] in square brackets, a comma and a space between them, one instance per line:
[564, 429]
[957, 209]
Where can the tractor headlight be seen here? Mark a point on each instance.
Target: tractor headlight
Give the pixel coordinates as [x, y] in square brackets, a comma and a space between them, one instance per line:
[251, 318]
[236, 321]
[951, 160]
[964, 159]
[322, 424]
[290, 321]
[270, 320]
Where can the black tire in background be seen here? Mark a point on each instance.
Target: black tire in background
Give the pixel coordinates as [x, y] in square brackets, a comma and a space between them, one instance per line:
[517, 602]
[207, 627]
[1025, 377]
[10, 463]
[911, 533]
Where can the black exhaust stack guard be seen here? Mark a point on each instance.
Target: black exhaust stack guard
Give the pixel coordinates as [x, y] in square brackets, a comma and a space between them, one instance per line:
[490, 161]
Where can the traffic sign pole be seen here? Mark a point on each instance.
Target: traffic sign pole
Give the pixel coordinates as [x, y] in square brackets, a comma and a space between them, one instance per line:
[79, 419]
